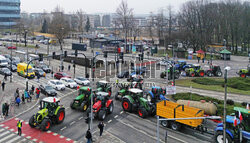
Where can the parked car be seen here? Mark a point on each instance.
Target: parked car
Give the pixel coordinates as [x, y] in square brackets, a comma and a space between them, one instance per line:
[82, 81]
[59, 75]
[56, 84]
[45, 68]
[11, 47]
[16, 60]
[12, 67]
[5, 71]
[124, 74]
[3, 61]
[68, 82]
[47, 90]
[39, 72]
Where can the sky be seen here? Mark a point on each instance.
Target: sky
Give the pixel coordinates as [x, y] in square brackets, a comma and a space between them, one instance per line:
[98, 6]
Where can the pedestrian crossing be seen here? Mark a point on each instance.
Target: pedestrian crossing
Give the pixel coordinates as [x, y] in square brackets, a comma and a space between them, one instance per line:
[7, 136]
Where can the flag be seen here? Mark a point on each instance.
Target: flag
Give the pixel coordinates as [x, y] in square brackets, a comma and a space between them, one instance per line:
[240, 116]
[247, 107]
[235, 121]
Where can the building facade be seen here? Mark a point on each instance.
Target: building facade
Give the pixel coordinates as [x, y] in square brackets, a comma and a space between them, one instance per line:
[9, 13]
[106, 21]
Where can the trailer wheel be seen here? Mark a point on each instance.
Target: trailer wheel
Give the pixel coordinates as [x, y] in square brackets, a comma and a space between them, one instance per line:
[219, 137]
[175, 126]
[165, 124]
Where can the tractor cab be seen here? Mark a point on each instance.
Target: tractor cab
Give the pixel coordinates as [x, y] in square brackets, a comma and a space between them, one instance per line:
[50, 104]
[197, 67]
[157, 93]
[104, 86]
[180, 65]
[84, 92]
[82, 101]
[135, 93]
[245, 116]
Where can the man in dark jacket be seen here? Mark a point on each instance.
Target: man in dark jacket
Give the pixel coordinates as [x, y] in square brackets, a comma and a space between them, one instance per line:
[101, 126]
[6, 109]
[3, 85]
[88, 136]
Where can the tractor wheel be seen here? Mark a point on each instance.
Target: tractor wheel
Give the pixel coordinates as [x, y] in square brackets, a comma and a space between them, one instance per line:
[46, 124]
[102, 115]
[175, 126]
[162, 75]
[142, 112]
[84, 106]
[71, 105]
[209, 73]
[201, 73]
[219, 137]
[153, 110]
[165, 124]
[126, 105]
[32, 121]
[177, 75]
[192, 74]
[218, 73]
[60, 116]
[243, 75]
[110, 108]
[116, 96]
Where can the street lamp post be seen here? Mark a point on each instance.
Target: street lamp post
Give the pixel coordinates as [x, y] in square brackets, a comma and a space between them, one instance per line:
[25, 44]
[225, 104]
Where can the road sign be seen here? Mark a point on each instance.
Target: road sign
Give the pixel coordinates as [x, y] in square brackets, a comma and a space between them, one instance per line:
[170, 90]
[78, 46]
[97, 53]
[134, 49]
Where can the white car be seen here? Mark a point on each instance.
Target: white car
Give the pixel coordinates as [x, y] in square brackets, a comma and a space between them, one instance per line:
[82, 81]
[56, 84]
[68, 82]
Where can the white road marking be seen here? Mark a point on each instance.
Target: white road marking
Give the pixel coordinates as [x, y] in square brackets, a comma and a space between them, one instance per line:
[28, 137]
[1, 130]
[55, 134]
[109, 121]
[72, 123]
[48, 131]
[23, 140]
[13, 140]
[4, 133]
[68, 139]
[61, 137]
[12, 130]
[34, 140]
[63, 128]
[116, 116]
[6, 127]
[9, 136]
[80, 118]
[121, 112]
[1, 125]
[67, 108]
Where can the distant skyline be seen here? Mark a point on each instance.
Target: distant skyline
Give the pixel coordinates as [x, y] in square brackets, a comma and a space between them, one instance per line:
[98, 6]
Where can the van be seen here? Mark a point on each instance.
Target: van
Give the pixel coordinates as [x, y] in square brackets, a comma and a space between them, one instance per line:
[21, 70]
[3, 61]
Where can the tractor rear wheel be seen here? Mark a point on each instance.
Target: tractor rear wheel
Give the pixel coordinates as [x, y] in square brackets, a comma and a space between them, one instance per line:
[243, 75]
[209, 73]
[71, 105]
[60, 116]
[32, 121]
[126, 105]
[46, 124]
[218, 73]
[175, 126]
[110, 108]
[84, 106]
[201, 73]
[219, 137]
[142, 112]
[192, 74]
[162, 75]
[102, 115]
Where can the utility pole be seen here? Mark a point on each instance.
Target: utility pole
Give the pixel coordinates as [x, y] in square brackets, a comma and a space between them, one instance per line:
[225, 104]
[48, 52]
[25, 44]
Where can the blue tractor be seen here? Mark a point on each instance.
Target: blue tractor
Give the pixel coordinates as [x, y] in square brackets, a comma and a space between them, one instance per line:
[156, 94]
[239, 133]
[180, 65]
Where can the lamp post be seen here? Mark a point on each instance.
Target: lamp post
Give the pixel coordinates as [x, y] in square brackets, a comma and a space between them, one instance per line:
[225, 103]
[25, 44]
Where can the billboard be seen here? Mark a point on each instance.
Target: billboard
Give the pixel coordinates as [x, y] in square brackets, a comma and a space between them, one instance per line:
[78, 46]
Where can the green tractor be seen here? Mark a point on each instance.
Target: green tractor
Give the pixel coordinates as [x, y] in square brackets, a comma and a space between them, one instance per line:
[82, 101]
[134, 102]
[50, 113]
[195, 70]
[123, 90]
[244, 72]
[170, 73]
[104, 86]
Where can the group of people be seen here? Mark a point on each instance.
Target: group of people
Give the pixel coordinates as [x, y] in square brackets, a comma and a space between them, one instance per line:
[26, 95]
[89, 135]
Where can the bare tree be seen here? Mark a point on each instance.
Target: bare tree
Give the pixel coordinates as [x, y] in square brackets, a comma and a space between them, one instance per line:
[59, 27]
[125, 15]
[151, 27]
[80, 15]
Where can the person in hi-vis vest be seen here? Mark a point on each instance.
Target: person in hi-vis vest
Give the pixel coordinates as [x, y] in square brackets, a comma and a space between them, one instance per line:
[19, 127]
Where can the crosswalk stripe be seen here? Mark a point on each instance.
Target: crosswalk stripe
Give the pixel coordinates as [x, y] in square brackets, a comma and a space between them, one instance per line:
[23, 140]
[14, 139]
[1, 130]
[4, 133]
[7, 137]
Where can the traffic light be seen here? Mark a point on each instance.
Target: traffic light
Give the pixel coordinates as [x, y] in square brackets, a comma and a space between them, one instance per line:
[65, 54]
[105, 55]
[142, 56]
[76, 53]
[74, 63]
[40, 57]
[53, 55]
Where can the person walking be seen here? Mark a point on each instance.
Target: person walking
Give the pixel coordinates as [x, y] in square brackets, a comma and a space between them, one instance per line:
[32, 89]
[3, 85]
[23, 99]
[26, 95]
[38, 77]
[3, 109]
[5, 77]
[101, 126]
[69, 67]
[52, 74]
[37, 93]
[6, 109]
[17, 91]
[18, 100]
[19, 127]
[88, 136]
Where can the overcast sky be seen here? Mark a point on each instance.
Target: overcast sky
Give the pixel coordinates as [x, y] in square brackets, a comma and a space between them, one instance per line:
[98, 6]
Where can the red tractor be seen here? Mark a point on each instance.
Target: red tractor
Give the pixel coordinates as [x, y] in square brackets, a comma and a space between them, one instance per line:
[102, 106]
[214, 70]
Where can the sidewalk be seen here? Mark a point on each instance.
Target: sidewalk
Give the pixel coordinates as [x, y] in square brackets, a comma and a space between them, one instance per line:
[214, 94]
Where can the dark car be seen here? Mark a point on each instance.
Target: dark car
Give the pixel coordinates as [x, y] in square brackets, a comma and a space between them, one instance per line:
[5, 71]
[13, 68]
[124, 74]
[39, 72]
[59, 75]
[47, 90]
[45, 68]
